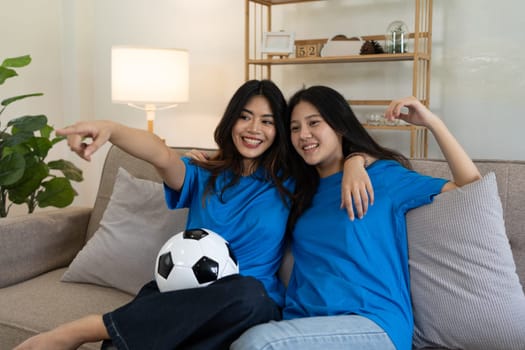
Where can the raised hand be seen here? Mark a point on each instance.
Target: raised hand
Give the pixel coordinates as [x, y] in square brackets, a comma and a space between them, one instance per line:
[463, 170]
[418, 114]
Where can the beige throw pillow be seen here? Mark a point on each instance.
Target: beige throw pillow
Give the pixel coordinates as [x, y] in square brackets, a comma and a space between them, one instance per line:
[135, 225]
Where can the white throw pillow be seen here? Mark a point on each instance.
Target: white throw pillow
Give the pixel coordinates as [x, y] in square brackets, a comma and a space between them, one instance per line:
[465, 290]
[135, 225]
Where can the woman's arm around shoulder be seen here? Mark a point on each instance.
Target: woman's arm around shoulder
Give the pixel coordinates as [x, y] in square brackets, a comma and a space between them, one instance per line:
[463, 169]
[356, 189]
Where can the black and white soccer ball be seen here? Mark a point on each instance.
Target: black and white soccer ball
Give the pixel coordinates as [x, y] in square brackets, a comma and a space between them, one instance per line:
[193, 258]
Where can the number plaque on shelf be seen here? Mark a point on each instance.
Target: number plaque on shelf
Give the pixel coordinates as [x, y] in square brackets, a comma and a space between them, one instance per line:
[309, 48]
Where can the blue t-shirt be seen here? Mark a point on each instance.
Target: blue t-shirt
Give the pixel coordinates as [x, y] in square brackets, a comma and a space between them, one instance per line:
[361, 266]
[252, 218]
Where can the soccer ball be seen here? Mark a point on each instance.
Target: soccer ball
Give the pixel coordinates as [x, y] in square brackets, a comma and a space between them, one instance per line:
[193, 258]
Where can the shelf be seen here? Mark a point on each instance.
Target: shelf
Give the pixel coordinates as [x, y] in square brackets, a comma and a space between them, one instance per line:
[418, 137]
[369, 102]
[258, 65]
[384, 57]
[281, 2]
[382, 36]
[393, 127]
[374, 102]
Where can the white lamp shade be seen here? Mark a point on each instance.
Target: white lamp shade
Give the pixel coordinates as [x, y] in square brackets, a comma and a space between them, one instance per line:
[149, 75]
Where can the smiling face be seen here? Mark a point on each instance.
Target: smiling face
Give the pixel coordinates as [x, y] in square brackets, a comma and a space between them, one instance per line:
[314, 139]
[254, 130]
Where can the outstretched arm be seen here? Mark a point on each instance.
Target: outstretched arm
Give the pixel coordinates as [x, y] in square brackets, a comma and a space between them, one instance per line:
[139, 143]
[463, 169]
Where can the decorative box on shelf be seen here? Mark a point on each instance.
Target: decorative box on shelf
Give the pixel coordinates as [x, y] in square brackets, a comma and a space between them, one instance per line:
[340, 45]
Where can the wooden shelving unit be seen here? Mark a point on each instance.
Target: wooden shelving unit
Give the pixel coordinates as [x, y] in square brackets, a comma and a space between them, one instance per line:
[258, 20]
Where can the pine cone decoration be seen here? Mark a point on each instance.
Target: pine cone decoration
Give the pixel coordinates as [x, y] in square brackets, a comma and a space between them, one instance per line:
[367, 48]
[371, 47]
[377, 47]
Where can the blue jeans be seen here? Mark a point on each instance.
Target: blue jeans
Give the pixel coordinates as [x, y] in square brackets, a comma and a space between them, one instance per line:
[325, 332]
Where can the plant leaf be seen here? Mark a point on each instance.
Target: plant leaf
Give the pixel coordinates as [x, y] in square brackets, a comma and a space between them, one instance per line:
[58, 139]
[17, 62]
[18, 138]
[24, 144]
[28, 123]
[21, 148]
[10, 100]
[58, 192]
[46, 132]
[67, 168]
[40, 146]
[29, 183]
[11, 169]
[6, 73]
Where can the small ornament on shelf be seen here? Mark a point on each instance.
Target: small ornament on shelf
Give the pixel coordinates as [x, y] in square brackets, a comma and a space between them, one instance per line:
[374, 119]
[371, 47]
[396, 37]
[278, 44]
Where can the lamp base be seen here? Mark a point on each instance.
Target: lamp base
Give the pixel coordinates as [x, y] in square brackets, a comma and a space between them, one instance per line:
[150, 112]
[150, 125]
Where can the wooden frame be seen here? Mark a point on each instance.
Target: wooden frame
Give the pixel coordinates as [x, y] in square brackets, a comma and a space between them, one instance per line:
[278, 43]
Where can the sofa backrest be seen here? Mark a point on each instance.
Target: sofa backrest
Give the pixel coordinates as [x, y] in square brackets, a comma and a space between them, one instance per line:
[115, 159]
[510, 176]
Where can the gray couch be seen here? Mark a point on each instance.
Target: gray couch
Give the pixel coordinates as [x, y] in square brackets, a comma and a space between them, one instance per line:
[35, 250]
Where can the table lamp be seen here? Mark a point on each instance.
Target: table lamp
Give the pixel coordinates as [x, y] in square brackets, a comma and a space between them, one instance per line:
[149, 79]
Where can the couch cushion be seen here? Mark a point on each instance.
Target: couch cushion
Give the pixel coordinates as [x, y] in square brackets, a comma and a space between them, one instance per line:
[510, 176]
[51, 239]
[466, 293]
[43, 303]
[135, 225]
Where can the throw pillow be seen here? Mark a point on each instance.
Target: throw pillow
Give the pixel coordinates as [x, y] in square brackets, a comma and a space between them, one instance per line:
[135, 225]
[465, 290]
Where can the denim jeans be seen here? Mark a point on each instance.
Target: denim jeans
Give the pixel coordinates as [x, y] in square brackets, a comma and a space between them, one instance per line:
[204, 318]
[315, 333]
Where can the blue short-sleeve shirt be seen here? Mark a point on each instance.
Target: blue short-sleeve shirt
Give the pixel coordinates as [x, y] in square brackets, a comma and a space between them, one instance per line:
[251, 217]
[361, 266]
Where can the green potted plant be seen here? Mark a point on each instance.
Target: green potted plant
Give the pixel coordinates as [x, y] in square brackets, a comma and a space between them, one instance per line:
[26, 177]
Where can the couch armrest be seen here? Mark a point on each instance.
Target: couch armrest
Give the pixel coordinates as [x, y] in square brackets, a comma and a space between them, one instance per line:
[33, 244]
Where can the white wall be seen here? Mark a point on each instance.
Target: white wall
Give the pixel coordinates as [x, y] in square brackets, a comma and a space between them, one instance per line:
[479, 75]
[477, 71]
[215, 48]
[35, 28]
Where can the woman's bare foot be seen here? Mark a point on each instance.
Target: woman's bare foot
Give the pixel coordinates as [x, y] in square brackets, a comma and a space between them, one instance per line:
[52, 340]
[68, 336]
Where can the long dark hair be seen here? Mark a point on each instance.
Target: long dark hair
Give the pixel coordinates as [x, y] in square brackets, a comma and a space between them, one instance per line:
[336, 111]
[228, 158]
